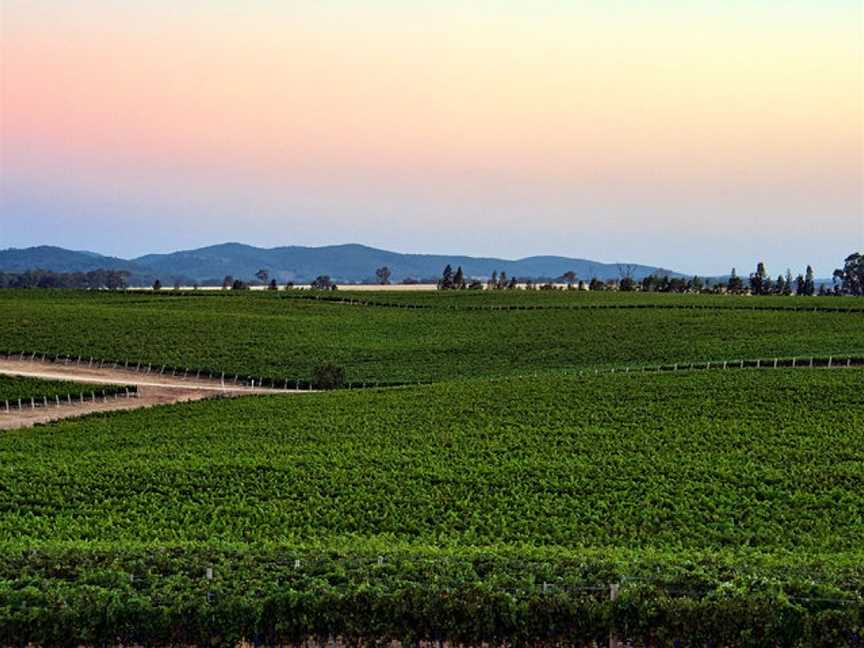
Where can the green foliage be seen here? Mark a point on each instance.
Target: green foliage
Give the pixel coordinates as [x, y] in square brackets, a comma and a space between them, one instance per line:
[500, 509]
[13, 387]
[287, 334]
[654, 460]
[328, 376]
[492, 508]
[162, 597]
[851, 275]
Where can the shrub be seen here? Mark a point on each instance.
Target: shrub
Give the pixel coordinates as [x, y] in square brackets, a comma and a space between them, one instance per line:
[328, 376]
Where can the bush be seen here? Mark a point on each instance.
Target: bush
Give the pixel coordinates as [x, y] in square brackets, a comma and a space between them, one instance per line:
[328, 376]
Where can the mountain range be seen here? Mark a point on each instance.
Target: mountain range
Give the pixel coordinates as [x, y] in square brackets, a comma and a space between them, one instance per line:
[350, 263]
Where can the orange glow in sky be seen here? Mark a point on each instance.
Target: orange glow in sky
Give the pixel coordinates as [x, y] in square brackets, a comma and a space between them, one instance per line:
[614, 126]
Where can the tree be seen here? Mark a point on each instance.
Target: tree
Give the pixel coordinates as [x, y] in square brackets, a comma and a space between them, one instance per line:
[289, 285]
[328, 376]
[650, 283]
[262, 276]
[787, 288]
[238, 285]
[493, 280]
[851, 275]
[459, 279]
[273, 285]
[780, 285]
[446, 281]
[475, 284]
[735, 284]
[799, 284]
[383, 275]
[116, 279]
[675, 285]
[157, 285]
[227, 282]
[322, 282]
[697, 284]
[596, 284]
[759, 282]
[627, 284]
[569, 277]
[809, 283]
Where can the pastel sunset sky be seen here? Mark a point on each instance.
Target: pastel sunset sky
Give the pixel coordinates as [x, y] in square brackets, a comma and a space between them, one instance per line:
[696, 135]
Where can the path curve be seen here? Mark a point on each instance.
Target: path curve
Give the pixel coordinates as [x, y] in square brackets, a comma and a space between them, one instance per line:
[108, 376]
[152, 389]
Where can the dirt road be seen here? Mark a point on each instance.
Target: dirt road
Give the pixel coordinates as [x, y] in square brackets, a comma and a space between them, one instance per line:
[153, 389]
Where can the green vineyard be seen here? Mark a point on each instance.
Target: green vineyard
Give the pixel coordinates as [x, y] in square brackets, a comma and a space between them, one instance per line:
[14, 388]
[554, 469]
[720, 503]
[280, 338]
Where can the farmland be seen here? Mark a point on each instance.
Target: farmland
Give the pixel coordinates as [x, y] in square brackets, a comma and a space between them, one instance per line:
[13, 388]
[546, 450]
[283, 337]
[495, 502]
[696, 481]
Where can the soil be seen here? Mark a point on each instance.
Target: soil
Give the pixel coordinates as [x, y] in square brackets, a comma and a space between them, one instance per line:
[152, 390]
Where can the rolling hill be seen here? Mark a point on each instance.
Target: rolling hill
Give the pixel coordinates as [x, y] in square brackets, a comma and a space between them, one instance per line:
[57, 259]
[350, 263]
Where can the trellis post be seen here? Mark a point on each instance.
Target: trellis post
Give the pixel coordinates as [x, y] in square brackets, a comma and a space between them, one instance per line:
[613, 596]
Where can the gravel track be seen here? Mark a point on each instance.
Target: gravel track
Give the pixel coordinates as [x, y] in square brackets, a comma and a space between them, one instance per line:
[153, 390]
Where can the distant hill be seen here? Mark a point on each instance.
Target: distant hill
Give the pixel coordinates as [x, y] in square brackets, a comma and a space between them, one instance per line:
[344, 263]
[47, 257]
[357, 263]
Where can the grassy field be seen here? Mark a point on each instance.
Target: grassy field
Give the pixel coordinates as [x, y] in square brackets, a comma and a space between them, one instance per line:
[281, 336]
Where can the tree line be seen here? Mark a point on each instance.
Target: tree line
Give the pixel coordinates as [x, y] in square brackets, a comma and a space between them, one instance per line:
[93, 280]
[848, 280]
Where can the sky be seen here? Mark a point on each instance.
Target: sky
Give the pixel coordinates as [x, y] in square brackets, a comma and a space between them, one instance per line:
[692, 134]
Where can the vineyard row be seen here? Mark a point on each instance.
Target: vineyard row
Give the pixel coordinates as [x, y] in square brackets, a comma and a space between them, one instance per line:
[842, 361]
[57, 400]
[532, 307]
